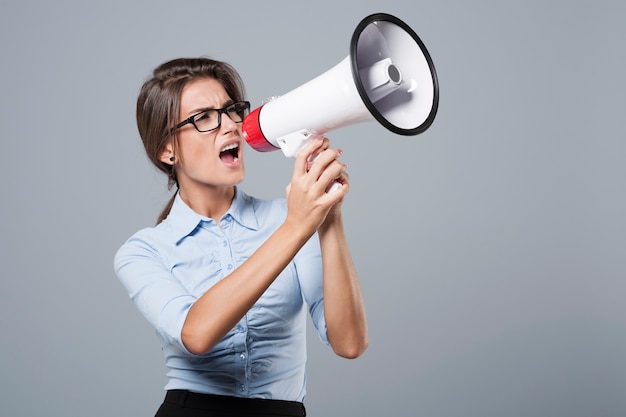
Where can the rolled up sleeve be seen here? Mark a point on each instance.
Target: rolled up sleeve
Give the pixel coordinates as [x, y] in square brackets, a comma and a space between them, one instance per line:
[160, 298]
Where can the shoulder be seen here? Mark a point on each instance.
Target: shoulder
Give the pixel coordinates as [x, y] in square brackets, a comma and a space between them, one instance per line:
[149, 242]
[154, 236]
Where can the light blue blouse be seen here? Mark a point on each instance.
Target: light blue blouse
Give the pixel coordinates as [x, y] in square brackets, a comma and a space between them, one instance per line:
[167, 267]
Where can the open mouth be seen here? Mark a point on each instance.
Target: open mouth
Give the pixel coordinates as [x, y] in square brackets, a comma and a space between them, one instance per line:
[230, 153]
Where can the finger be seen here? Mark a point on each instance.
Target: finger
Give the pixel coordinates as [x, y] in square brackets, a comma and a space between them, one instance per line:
[303, 156]
[325, 145]
[343, 178]
[335, 171]
[323, 160]
[313, 154]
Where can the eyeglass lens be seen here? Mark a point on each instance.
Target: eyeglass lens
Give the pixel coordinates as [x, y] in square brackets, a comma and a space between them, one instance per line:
[210, 119]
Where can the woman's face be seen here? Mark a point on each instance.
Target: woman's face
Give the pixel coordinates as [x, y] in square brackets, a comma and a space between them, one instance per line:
[213, 158]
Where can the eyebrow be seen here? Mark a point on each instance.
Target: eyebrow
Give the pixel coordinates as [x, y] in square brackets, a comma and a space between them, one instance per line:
[201, 109]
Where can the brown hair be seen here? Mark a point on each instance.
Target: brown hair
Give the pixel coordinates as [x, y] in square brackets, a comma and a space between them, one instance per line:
[158, 105]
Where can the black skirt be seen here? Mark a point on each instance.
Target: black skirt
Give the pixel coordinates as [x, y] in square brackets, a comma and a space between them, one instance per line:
[182, 403]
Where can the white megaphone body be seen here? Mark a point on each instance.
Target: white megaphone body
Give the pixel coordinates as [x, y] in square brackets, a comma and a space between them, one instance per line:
[388, 76]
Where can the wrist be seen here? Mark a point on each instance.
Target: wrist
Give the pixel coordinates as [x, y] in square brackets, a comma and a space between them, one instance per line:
[334, 221]
[297, 230]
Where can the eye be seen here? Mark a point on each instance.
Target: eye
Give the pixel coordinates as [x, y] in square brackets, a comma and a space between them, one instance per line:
[205, 116]
[206, 120]
[237, 110]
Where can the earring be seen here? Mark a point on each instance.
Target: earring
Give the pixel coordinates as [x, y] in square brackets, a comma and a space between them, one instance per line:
[171, 159]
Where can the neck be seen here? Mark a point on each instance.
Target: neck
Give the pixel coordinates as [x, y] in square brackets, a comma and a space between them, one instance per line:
[212, 202]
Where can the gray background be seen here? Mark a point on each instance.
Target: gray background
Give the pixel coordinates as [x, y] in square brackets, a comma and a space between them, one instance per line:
[490, 248]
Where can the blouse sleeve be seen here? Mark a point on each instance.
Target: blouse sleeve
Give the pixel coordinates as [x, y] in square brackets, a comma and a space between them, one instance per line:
[160, 298]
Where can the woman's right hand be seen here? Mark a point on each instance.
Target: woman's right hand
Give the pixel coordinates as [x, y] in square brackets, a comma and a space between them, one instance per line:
[308, 203]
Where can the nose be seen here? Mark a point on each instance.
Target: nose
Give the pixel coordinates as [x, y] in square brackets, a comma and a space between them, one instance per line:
[227, 122]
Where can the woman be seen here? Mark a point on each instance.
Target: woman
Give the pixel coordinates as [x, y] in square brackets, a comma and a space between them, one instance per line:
[225, 278]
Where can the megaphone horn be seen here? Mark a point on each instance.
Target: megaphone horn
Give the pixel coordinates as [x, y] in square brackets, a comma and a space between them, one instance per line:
[388, 76]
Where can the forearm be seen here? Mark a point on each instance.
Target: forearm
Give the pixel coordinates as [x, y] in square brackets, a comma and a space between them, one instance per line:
[221, 307]
[344, 308]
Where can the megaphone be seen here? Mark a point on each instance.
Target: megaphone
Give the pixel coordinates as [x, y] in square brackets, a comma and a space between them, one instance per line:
[388, 76]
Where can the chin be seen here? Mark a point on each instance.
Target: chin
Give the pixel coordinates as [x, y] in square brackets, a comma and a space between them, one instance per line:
[238, 179]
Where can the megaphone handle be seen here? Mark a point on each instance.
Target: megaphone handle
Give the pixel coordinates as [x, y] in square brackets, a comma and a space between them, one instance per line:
[293, 142]
[333, 187]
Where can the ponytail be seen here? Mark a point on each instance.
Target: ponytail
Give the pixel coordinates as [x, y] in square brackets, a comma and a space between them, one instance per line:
[166, 209]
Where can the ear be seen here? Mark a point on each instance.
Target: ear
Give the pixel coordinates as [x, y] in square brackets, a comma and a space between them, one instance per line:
[167, 154]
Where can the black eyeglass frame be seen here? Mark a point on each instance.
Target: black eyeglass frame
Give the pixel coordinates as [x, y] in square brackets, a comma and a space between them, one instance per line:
[223, 110]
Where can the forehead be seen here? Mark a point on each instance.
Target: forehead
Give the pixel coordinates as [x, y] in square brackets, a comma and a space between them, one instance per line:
[201, 94]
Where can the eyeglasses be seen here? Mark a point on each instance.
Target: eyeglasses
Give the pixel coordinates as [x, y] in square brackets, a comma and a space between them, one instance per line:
[211, 119]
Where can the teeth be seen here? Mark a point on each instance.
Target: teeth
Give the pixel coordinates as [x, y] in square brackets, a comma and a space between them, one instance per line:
[229, 147]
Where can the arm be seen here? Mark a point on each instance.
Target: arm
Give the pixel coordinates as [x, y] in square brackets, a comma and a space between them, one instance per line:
[344, 307]
[221, 307]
